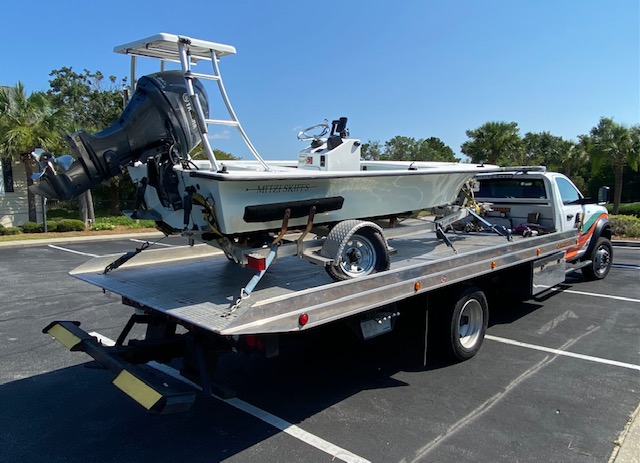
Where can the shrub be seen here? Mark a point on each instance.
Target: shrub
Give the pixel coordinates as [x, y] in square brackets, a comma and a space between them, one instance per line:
[62, 213]
[32, 227]
[67, 225]
[122, 221]
[626, 226]
[626, 209]
[9, 230]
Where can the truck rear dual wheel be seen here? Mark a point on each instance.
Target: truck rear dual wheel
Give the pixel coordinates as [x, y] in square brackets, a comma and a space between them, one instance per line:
[601, 260]
[466, 323]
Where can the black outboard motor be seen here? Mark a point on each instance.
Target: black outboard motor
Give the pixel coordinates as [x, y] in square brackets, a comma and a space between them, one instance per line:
[158, 119]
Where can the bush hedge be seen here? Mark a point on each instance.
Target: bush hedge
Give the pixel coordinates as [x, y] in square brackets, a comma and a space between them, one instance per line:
[67, 225]
[626, 209]
[9, 230]
[32, 227]
[625, 226]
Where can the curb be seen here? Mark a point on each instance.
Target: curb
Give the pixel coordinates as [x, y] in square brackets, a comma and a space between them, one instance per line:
[36, 242]
[630, 244]
[627, 448]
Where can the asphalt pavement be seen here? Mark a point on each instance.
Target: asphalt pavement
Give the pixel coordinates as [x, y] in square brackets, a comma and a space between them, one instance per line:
[626, 448]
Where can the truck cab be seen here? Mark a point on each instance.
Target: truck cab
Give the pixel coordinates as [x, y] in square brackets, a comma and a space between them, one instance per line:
[530, 200]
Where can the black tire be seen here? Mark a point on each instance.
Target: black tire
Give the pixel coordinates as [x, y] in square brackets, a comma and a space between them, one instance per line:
[467, 324]
[364, 253]
[601, 260]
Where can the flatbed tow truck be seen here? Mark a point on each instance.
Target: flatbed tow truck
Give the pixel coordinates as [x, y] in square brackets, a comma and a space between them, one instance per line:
[195, 303]
[187, 297]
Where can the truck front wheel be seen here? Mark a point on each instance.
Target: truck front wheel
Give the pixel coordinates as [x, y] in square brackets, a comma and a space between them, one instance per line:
[468, 323]
[601, 260]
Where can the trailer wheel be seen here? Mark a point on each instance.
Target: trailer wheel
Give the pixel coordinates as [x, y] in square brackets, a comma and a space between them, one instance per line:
[364, 252]
[601, 260]
[467, 324]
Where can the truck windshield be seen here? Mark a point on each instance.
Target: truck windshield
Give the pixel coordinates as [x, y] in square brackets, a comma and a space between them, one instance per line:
[512, 188]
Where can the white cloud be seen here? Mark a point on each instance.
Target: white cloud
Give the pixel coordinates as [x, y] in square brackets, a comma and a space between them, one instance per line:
[224, 135]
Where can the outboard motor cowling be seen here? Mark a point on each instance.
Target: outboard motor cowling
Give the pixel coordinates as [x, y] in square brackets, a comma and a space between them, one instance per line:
[159, 117]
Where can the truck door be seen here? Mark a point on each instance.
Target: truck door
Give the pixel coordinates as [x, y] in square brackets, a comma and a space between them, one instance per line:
[571, 213]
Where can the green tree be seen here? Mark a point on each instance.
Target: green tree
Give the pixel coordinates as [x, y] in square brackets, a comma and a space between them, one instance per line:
[27, 123]
[371, 150]
[401, 148]
[434, 149]
[610, 143]
[93, 103]
[557, 154]
[495, 143]
[219, 154]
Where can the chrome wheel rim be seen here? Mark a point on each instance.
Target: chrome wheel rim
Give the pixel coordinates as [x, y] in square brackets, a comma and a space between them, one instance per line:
[470, 323]
[601, 260]
[358, 257]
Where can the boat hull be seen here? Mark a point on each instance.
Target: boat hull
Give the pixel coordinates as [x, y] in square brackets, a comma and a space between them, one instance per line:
[246, 202]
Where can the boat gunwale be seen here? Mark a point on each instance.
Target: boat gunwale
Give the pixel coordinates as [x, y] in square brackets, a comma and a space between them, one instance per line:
[295, 174]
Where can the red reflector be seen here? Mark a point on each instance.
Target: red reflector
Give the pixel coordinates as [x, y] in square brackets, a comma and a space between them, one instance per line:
[303, 319]
[251, 341]
[258, 263]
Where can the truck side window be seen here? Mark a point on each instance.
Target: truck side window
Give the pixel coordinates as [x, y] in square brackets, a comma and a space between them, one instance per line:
[568, 192]
[512, 188]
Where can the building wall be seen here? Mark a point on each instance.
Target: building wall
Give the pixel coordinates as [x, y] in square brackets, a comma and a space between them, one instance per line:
[14, 208]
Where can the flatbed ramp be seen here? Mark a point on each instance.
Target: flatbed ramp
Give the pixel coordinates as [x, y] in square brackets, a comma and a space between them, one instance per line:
[198, 287]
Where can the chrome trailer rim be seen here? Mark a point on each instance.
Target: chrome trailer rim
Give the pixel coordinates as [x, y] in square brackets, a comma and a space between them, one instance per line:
[358, 257]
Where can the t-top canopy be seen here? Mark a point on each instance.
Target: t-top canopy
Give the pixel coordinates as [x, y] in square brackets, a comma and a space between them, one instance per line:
[165, 46]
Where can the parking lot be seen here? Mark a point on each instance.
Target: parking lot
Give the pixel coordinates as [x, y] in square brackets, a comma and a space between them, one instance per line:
[556, 380]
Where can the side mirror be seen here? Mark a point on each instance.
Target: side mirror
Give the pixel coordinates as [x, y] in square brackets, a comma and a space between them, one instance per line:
[603, 195]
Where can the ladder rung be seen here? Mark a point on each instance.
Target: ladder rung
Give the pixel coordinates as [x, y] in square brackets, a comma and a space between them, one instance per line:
[222, 122]
[203, 76]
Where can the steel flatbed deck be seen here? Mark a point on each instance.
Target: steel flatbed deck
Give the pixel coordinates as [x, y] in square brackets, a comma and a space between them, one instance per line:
[197, 286]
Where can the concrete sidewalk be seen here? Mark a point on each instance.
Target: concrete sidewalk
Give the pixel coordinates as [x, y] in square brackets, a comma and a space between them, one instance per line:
[72, 239]
[628, 450]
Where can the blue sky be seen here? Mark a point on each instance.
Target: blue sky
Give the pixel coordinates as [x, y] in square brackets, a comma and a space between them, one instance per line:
[411, 68]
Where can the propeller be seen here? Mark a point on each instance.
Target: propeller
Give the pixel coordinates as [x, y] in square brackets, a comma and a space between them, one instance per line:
[46, 159]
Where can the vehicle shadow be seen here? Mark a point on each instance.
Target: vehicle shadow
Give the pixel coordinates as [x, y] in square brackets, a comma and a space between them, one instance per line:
[75, 414]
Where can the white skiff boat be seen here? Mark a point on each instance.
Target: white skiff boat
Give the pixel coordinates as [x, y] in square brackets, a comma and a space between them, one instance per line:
[231, 204]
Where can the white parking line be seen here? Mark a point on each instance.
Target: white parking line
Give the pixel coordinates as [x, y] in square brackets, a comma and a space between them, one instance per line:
[60, 248]
[562, 352]
[627, 266]
[606, 296]
[283, 425]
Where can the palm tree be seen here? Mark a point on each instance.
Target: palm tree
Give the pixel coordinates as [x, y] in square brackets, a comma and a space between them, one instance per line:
[26, 123]
[617, 145]
[495, 143]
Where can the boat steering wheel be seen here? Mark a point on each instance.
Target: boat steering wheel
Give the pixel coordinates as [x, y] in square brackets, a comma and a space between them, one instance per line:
[303, 135]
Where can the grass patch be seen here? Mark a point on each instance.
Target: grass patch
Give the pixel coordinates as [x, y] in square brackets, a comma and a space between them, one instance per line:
[104, 223]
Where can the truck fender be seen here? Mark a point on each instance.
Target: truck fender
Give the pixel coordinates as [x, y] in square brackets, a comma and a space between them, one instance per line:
[602, 229]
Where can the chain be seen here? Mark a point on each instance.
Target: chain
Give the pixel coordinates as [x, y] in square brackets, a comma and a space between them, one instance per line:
[243, 295]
